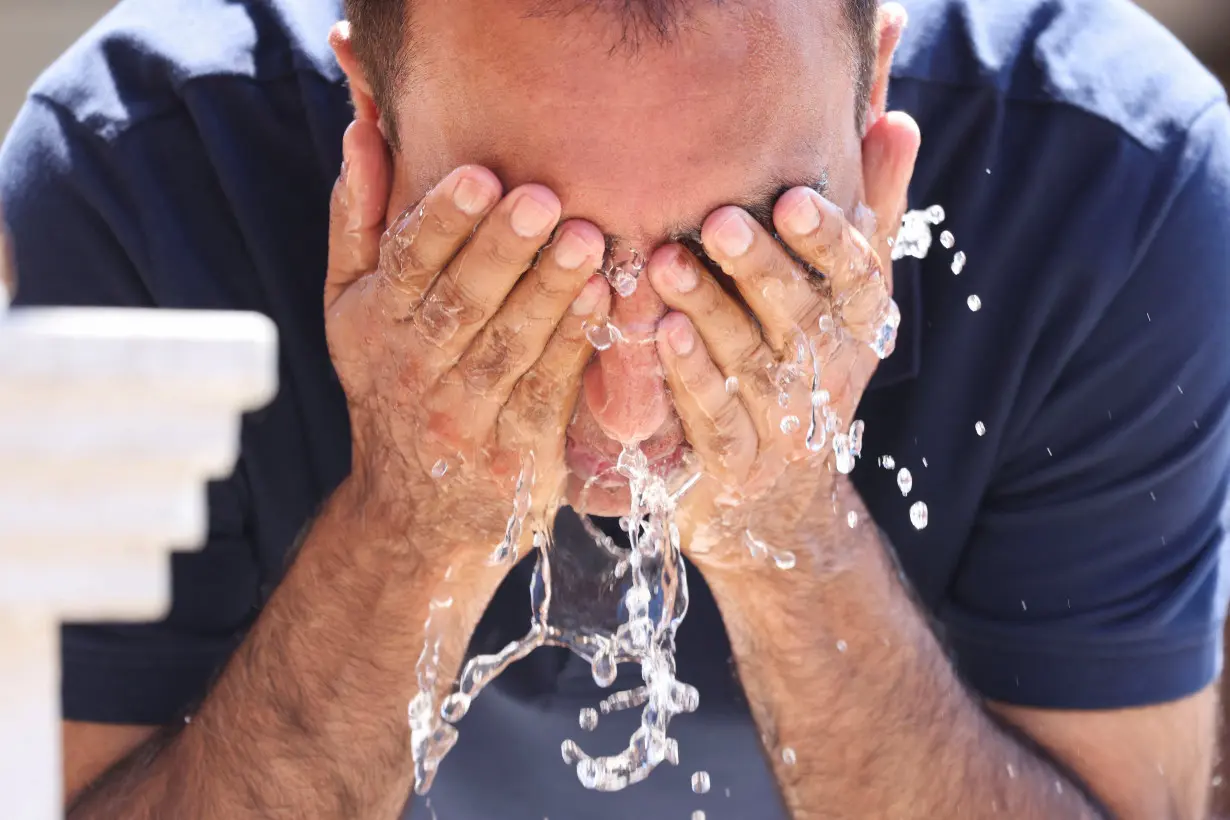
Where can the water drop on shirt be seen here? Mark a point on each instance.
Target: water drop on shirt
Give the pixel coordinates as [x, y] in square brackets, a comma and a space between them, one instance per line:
[700, 782]
[905, 481]
[974, 303]
[918, 515]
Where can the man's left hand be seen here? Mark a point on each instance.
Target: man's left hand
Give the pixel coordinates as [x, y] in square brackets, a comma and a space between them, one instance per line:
[767, 388]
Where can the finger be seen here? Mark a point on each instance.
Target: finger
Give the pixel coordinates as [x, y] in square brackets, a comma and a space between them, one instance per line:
[890, 150]
[357, 208]
[728, 332]
[515, 337]
[544, 399]
[817, 230]
[779, 293]
[716, 422]
[420, 243]
[482, 274]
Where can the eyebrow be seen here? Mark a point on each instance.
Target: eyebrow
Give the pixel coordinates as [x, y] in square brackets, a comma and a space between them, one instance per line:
[758, 204]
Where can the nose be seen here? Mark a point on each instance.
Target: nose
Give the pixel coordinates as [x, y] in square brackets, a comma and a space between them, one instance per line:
[624, 387]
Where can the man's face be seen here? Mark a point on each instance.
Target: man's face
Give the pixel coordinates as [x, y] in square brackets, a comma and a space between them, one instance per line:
[745, 100]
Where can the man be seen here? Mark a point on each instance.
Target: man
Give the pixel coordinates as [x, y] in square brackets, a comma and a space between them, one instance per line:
[1068, 431]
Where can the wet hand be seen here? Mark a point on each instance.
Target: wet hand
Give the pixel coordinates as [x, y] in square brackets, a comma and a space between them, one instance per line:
[767, 389]
[458, 337]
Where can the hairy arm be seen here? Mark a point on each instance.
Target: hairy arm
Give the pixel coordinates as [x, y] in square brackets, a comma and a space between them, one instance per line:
[863, 716]
[309, 717]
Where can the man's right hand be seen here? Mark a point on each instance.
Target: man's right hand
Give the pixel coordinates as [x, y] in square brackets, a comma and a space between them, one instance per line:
[460, 342]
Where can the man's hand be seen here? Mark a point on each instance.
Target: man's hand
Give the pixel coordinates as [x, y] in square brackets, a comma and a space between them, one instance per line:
[460, 343]
[768, 397]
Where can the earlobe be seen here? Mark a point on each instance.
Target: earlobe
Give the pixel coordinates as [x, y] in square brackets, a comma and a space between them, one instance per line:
[360, 89]
[891, 22]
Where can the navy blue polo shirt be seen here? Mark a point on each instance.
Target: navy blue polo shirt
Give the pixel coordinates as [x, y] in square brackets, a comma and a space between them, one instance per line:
[181, 155]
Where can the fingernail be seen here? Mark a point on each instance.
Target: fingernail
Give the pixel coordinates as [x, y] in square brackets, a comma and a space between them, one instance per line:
[530, 217]
[804, 217]
[570, 251]
[681, 338]
[587, 300]
[733, 236]
[470, 196]
[681, 276]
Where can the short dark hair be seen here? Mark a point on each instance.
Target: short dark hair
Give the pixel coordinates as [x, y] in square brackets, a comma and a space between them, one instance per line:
[378, 29]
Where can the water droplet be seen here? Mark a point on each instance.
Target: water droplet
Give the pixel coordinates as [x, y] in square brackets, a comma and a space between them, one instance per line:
[958, 262]
[1011, 772]
[918, 515]
[784, 560]
[623, 282]
[947, 239]
[783, 399]
[790, 424]
[842, 646]
[980, 428]
[885, 340]
[856, 438]
[905, 481]
[788, 756]
[455, 707]
[732, 385]
[700, 782]
[924, 462]
[439, 469]
[600, 336]
[698, 815]
[819, 398]
[888, 462]
[842, 457]
[974, 303]
[1023, 607]
[826, 324]
[588, 719]
[935, 214]
[1058, 787]
[852, 519]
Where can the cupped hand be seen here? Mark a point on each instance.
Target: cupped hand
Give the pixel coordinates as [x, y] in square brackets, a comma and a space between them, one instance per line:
[767, 389]
[458, 335]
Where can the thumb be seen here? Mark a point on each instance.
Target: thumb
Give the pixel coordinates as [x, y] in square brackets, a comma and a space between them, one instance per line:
[890, 150]
[357, 208]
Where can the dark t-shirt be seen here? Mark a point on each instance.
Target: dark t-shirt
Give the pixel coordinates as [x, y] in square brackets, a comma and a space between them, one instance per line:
[181, 155]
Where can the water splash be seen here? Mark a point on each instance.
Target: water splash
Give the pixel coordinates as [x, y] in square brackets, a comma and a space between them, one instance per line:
[622, 268]
[905, 481]
[974, 303]
[700, 783]
[958, 262]
[980, 428]
[918, 515]
[914, 239]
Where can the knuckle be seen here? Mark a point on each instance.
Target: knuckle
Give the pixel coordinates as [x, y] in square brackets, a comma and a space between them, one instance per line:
[455, 295]
[504, 252]
[494, 359]
[548, 288]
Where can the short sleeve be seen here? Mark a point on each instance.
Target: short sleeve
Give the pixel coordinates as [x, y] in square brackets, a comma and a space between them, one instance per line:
[76, 240]
[1094, 574]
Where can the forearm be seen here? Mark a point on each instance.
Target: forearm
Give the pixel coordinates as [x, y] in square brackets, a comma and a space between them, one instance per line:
[309, 716]
[842, 670]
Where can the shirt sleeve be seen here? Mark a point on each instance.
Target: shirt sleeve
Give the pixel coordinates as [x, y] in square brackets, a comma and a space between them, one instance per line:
[1094, 577]
[76, 234]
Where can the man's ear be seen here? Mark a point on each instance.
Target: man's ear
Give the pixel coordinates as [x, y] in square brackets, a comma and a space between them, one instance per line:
[360, 89]
[891, 22]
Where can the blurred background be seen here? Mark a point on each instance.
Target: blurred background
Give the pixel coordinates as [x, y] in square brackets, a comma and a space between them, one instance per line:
[38, 30]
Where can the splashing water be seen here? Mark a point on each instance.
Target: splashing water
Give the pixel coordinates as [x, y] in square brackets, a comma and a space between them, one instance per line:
[974, 303]
[622, 268]
[700, 782]
[947, 239]
[914, 239]
[918, 515]
[602, 337]
[905, 481]
[888, 462]
[980, 428]
[958, 262]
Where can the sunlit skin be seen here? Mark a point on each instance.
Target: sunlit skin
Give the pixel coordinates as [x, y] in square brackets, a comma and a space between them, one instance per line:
[642, 145]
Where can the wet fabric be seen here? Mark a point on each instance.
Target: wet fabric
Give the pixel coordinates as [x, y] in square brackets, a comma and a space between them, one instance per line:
[181, 156]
